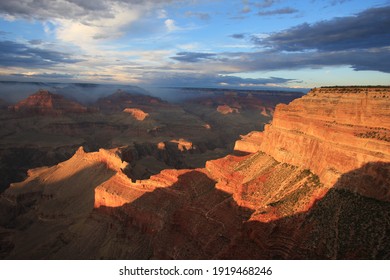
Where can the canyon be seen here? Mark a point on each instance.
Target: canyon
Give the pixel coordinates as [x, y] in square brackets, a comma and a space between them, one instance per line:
[315, 184]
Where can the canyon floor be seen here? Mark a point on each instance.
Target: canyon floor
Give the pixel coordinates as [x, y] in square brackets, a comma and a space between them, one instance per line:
[135, 177]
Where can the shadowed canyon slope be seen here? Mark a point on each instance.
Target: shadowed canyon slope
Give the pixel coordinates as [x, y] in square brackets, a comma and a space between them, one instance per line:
[314, 185]
[45, 128]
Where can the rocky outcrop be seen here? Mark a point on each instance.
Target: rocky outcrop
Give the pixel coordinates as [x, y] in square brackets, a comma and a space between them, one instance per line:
[44, 102]
[183, 145]
[120, 100]
[226, 109]
[330, 131]
[138, 114]
[249, 143]
[267, 204]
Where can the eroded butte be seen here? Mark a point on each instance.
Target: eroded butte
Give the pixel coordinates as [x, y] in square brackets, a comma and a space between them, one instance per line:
[314, 185]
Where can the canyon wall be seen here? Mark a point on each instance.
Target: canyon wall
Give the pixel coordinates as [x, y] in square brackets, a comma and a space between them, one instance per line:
[314, 185]
[330, 131]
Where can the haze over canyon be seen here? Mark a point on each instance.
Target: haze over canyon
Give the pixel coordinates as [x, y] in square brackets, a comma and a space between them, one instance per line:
[191, 129]
[132, 176]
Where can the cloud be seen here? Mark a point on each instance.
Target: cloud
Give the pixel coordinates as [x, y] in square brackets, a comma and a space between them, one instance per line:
[260, 5]
[238, 81]
[375, 59]
[170, 25]
[282, 11]
[274, 60]
[82, 10]
[367, 29]
[238, 36]
[44, 10]
[22, 55]
[35, 42]
[202, 16]
[85, 23]
[192, 56]
[265, 3]
[246, 9]
[361, 41]
[44, 75]
[209, 80]
[336, 2]
[88, 34]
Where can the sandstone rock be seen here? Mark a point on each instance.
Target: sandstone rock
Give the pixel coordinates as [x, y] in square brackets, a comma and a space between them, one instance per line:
[161, 146]
[268, 204]
[183, 145]
[331, 131]
[45, 102]
[207, 126]
[249, 143]
[226, 109]
[136, 113]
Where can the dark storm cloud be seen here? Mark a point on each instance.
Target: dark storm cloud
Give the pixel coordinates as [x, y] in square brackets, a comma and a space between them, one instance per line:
[193, 56]
[21, 55]
[282, 11]
[368, 29]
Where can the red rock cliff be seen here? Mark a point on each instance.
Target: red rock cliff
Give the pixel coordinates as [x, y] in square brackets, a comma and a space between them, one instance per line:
[256, 206]
[331, 131]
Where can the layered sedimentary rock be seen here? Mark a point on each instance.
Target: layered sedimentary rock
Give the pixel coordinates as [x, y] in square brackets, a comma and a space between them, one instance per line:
[45, 102]
[267, 204]
[138, 114]
[120, 100]
[249, 143]
[226, 109]
[330, 131]
[182, 144]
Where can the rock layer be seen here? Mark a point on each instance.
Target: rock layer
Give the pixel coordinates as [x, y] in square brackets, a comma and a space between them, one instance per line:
[45, 102]
[330, 131]
[138, 114]
[264, 205]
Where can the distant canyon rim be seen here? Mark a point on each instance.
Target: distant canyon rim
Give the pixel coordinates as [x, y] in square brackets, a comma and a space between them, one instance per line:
[226, 175]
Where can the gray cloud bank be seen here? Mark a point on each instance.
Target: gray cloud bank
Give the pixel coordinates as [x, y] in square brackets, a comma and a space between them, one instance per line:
[361, 42]
[22, 55]
[368, 29]
[70, 9]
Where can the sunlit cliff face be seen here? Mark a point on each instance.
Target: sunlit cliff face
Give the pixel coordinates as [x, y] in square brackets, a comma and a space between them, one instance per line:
[321, 166]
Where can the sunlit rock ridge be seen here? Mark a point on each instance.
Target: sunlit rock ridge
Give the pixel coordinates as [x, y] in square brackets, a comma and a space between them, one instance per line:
[330, 131]
[314, 185]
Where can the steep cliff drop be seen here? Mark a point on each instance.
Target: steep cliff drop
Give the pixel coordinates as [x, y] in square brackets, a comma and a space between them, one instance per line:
[330, 131]
[314, 185]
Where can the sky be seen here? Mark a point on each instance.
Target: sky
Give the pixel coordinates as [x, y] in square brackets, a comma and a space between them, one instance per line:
[197, 43]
